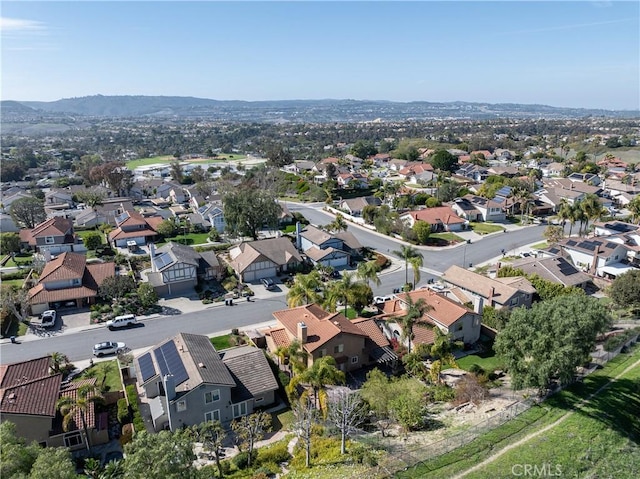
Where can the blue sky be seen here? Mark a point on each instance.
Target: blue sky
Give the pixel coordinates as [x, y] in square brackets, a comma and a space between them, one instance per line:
[572, 54]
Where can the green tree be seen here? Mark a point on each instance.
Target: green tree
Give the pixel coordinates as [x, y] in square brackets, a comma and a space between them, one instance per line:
[27, 212]
[211, 435]
[444, 161]
[86, 398]
[408, 405]
[322, 373]
[166, 454]
[116, 287]
[91, 198]
[177, 172]
[363, 149]
[592, 208]
[338, 224]
[59, 362]
[16, 457]
[368, 271]
[93, 240]
[551, 339]
[625, 289]
[167, 228]
[408, 253]
[412, 317]
[634, 208]
[247, 210]
[422, 229]
[342, 290]
[9, 243]
[252, 428]
[304, 289]
[147, 295]
[553, 233]
[53, 463]
[378, 391]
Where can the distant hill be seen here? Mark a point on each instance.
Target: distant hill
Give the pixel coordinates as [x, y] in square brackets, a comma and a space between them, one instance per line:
[288, 110]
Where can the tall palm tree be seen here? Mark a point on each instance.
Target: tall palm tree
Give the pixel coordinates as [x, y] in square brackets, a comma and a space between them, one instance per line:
[634, 208]
[304, 289]
[592, 208]
[408, 252]
[368, 271]
[416, 263]
[58, 362]
[338, 224]
[414, 312]
[297, 357]
[86, 398]
[324, 372]
[564, 213]
[579, 216]
[341, 290]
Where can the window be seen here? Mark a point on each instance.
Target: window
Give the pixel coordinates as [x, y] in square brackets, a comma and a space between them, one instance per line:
[323, 353]
[240, 409]
[181, 406]
[339, 348]
[459, 327]
[514, 301]
[354, 360]
[73, 439]
[212, 415]
[75, 281]
[49, 240]
[257, 400]
[211, 396]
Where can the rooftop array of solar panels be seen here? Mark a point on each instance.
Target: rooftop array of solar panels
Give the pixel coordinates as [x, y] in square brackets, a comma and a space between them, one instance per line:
[168, 360]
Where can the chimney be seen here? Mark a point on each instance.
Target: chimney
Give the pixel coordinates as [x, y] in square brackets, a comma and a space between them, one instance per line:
[302, 332]
[298, 240]
[492, 291]
[169, 387]
[152, 250]
[478, 304]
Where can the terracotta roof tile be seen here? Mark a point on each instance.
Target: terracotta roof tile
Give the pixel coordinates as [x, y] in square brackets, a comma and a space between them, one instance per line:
[37, 397]
[71, 390]
[371, 329]
[321, 325]
[279, 336]
[66, 266]
[56, 226]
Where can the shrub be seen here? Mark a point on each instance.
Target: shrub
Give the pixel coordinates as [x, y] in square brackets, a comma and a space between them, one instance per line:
[127, 434]
[362, 454]
[241, 461]
[123, 411]
[276, 453]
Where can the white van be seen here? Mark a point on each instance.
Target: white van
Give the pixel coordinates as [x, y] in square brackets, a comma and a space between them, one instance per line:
[122, 321]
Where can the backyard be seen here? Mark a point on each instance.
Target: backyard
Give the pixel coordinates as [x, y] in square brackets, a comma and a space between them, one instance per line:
[106, 374]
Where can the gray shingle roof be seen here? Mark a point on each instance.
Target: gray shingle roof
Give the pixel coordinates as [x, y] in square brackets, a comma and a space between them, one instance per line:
[250, 368]
[202, 352]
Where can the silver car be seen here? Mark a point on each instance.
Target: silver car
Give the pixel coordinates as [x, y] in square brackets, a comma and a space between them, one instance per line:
[108, 347]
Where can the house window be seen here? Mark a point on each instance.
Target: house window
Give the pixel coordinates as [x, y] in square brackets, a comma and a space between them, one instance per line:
[181, 406]
[354, 360]
[240, 409]
[211, 396]
[212, 415]
[323, 353]
[514, 301]
[459, 327]
[339, 348]
[257, 400]
[49, 240]
[73, 439]
[75, 281]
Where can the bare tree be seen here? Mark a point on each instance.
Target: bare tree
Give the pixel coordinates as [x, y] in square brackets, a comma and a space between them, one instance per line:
[251, 429]
[16, 301]
[347, 411]
[305, 417]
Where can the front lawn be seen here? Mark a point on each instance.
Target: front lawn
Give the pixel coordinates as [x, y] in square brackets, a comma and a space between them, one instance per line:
[19, 260]
[485, 228]
[221, 342]
[188, 239]
[447, 236]
[106, 374]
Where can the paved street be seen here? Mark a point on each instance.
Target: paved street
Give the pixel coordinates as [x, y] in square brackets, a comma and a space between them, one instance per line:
[191, 316]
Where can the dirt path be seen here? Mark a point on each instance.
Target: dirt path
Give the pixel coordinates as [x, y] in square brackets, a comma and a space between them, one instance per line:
[506, 449]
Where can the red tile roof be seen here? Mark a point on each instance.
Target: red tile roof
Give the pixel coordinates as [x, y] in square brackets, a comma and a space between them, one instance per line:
[321, 325]
[56, 226]
[279, 336]
[66, 266]
[71, 391]
[438, 215]
[371, 329]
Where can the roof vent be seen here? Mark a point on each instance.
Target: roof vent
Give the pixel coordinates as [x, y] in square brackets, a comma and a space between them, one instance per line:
[201, 365]
[12, 397]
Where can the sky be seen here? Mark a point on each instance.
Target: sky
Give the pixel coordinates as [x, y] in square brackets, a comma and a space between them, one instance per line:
[582, 54]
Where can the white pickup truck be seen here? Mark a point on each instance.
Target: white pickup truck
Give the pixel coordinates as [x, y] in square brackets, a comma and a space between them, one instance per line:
[46, 320]
[122, 321]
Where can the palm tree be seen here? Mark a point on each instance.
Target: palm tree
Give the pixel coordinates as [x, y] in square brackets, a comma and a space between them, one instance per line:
[411, 318]
[416, 263]
[304, 289]
[338, 224]
[58, 361]
[407, 253]
[634, 208]
[323, 373]
[579, 216]
[297, 357]
[86, 398]
[341, 290]
[592, 208]
[368, 271]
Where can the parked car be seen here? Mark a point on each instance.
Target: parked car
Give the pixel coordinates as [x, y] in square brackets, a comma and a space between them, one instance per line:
[268, 283]
[108, 347]
[123, 321]
[382, 299]
[46, 320]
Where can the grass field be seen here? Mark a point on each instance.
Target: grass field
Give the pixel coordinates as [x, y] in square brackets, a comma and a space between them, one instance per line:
[446, 236]
[106, 374]
[82, 234]
[189, 239]
[485, 228]
[612, 416]
[221, 342]
[487, 361]
[166, 159]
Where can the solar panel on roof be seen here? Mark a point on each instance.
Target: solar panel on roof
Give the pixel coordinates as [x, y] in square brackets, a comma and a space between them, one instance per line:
[162, 260]
[170, 362]
[498, 199]
[121, 217]
[589, 246]
[611, 245]
[504, 191]
[571, 243]
[147, 369]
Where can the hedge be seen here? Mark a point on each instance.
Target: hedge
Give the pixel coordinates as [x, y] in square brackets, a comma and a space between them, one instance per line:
[132, 396]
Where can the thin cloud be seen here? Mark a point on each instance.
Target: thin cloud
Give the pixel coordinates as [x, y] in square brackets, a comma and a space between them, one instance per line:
[567, 27]
[17, 25]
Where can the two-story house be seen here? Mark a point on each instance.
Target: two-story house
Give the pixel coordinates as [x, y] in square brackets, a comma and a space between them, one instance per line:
[29, 393]
[483, 291]
[322, 247]
[354, 206]
[477, 208]
[214, 215]
[186, 382]
[68, 279]
[53, 236]
[176, 268]
[132, 226]
[598, 256]
[321, 333]
[449, 316]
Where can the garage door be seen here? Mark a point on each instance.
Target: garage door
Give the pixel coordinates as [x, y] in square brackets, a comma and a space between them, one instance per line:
[337, 262]
[250, 276]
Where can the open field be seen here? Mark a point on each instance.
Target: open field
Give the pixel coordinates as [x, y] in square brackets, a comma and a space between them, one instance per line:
[166, 159]
[612, 415]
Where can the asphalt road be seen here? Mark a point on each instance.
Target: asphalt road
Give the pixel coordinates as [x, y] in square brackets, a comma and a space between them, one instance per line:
[77, 344]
